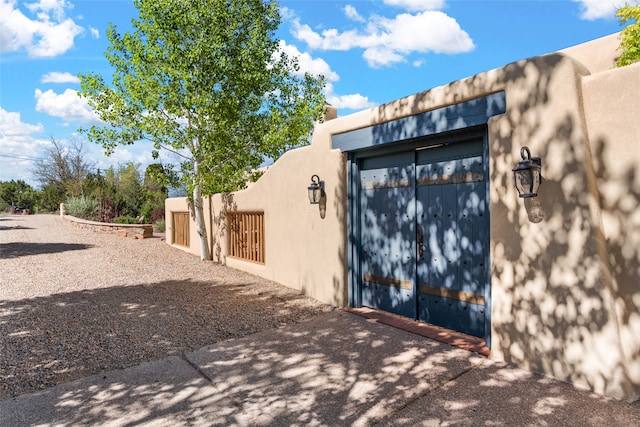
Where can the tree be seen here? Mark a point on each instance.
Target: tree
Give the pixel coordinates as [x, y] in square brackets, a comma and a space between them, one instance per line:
[51, 196]
[62, 171]
[155, 192]
[205, 80]
[96, 186]
[630, 35]
[17, 193]
[130, 194]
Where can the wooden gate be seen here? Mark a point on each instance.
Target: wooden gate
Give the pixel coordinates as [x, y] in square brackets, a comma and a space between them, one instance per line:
[246, 236]
[181, 228]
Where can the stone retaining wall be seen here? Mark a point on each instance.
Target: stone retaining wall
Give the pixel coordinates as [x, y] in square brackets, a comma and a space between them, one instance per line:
[135, 231]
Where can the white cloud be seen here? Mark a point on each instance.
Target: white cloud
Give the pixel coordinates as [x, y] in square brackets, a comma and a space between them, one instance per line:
[58, 77]
[390, 40]
[19, 148]
[49, 34]
[352, 13]
[319, 66]
[286, 13]
[596, 9]
[67, 105]
[95, 33]
[309, 64]
[380, 56]
[45, 8]
[121, 155]
[12, 125]
[354, 101]
[417, 5]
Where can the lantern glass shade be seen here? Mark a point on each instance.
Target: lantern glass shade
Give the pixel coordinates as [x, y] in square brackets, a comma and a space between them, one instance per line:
[527, 174]
[314, 194]
[314, 190]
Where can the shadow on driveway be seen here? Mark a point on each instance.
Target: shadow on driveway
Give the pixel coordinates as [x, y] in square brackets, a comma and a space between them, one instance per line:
[337, 369]
[18, 249]
[62, 337]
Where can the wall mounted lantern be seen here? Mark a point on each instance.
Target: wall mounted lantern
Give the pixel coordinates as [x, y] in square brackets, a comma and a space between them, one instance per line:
[527, 174]
[315, 189]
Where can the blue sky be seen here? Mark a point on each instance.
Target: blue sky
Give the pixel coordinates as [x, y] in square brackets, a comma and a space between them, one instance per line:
[371, 52]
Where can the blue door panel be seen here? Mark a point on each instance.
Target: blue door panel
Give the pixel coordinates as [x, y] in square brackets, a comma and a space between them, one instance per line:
[424, 235]
[389, 298]
[474, 237]
[387, 218]
[453, 223]
[472, 319]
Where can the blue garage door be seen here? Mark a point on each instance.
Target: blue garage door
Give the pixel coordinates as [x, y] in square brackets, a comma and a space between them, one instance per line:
[424, 234]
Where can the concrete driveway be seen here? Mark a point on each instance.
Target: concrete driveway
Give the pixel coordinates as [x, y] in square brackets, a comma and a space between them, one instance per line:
[335, 369]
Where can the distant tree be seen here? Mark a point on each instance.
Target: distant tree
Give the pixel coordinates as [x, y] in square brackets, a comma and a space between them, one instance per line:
[62, 170]
[129, 192]
[207, 81]
[119, 191]
[156, 179]
[17, 193]
[96, 186]
[155, 192]
[630, 35]
[51, 195]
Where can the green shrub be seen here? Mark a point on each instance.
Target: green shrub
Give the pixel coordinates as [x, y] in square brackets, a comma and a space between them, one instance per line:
[126, 220]
[82, 207]
[160, 226]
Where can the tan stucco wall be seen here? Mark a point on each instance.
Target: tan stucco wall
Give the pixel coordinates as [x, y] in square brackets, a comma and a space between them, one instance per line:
[303, 251]
[549, 279]
[597, 55]
[556, 307]
[612, 108]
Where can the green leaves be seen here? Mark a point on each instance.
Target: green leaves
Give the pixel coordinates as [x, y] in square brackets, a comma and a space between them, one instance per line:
[204, 79]
[630, 35]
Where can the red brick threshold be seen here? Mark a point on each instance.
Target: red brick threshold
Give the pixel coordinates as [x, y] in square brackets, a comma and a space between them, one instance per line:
[447, 336]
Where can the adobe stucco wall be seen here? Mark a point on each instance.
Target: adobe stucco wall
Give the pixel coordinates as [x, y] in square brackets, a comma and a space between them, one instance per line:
[303, 250]
[565, 266]
[552, 308]
[597, 55]
[612, 108]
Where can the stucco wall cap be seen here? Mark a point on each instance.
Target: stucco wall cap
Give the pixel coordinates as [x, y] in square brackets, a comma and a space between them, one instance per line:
[596, 55]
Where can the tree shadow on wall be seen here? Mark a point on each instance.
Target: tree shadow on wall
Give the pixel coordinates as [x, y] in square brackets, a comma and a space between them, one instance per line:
[551, 305]
[620, 203]
[340, 202]
[555, 280]
[220, 224]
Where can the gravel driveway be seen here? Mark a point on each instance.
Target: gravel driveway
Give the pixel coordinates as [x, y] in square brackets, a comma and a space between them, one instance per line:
[75, 303]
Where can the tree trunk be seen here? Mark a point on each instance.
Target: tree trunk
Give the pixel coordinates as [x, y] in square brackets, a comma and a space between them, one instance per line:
[198, 208]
